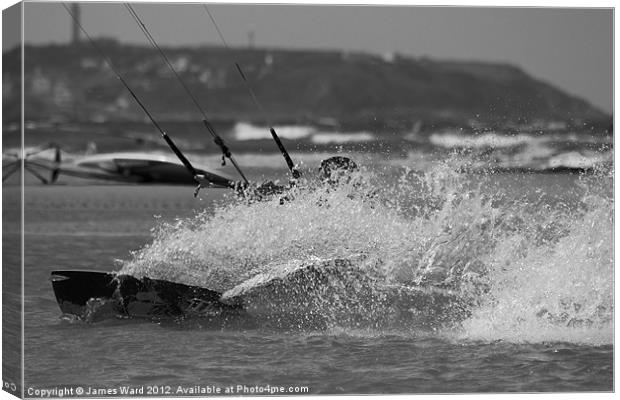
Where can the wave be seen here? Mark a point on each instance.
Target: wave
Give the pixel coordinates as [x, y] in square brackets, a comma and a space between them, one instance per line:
[335, 137]
[555, 286]
[243, 131]
[455, 139]
[458, 140]
[521, 270]
[580, 160]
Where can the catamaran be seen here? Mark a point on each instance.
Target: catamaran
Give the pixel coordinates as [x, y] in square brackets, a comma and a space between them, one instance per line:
[126, 167]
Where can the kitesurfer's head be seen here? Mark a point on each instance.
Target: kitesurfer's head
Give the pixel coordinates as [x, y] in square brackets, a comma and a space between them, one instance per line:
[334, 169]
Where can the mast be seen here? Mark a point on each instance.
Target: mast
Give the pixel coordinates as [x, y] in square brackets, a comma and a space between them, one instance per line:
[75, 27]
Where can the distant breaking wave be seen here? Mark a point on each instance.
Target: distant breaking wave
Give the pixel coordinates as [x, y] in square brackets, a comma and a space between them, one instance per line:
[244, 132]
[326, 138]
[458, 139]
[529, 151]
[454, 140]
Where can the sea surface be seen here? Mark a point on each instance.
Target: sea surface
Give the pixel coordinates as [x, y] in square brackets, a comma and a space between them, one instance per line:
[533, 252]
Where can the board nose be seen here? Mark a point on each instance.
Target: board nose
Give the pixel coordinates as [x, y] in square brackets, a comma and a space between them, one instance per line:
[73, 288]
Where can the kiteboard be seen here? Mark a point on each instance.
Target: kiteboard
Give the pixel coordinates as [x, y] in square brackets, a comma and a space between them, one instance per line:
[93, 295]
[303, 293]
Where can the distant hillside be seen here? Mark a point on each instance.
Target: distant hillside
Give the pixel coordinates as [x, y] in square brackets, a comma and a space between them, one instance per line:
[72, 83]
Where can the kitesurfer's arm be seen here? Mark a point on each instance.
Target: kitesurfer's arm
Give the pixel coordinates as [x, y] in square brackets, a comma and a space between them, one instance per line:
[206, 180]
[242, 189]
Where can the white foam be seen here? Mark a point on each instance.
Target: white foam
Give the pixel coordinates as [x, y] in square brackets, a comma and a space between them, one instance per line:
[555, 290]
[244, 131]
[491, 139]
[335, 137]
[575, 159]
[435, 227]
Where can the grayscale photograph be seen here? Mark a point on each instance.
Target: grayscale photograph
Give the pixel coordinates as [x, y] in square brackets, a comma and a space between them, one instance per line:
[227, 199]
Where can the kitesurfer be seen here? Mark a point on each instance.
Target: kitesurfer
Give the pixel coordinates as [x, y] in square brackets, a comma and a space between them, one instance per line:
[332, 171]
[336, 170]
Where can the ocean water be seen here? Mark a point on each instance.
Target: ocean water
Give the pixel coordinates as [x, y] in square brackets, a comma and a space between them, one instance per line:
[532, 254]
[536, 148]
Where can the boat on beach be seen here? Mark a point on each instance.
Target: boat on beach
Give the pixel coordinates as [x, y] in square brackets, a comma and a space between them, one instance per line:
[139, 167]
[125, 167]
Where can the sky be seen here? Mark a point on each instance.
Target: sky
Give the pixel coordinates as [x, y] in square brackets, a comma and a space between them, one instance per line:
[570, 48]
